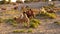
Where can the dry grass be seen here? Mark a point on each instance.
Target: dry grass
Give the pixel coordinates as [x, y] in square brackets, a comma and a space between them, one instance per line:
[10, 14]
[23, 30]
[36, 11]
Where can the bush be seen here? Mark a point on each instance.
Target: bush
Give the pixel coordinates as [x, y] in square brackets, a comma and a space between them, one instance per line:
[11, 22]
[57, 22]
[34, 23]
[50, 15]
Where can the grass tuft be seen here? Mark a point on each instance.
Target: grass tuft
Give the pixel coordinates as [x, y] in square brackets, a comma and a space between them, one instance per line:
[18, 31]
[34, 23]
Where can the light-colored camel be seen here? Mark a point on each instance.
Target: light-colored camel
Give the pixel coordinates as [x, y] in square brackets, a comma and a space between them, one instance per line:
[22, 19]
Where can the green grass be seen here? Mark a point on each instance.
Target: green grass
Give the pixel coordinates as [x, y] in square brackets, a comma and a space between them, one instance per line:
[34, 23]
[49, 15]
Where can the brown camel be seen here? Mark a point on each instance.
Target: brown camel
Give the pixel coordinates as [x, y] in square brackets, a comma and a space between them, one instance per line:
[23, 18]
[30, 13]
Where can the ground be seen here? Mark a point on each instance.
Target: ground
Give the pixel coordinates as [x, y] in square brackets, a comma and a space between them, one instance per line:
[47, 27]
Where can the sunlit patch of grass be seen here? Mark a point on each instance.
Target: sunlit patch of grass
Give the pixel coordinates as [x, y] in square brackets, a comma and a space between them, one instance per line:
[50, 15]
[34, 23]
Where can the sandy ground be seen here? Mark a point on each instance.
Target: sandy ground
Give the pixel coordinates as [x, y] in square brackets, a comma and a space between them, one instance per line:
[46, 27]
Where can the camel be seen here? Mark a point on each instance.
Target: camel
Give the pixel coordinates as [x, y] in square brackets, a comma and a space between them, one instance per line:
[51, 11]
[23, 19]
[30, 13]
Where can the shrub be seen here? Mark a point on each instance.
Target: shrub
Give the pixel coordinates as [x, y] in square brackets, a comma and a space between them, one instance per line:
[50, 15]
[34, 23]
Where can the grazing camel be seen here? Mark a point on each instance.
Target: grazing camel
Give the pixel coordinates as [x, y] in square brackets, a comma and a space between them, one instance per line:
[51, 11]
[23, 18]
[30, 13]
